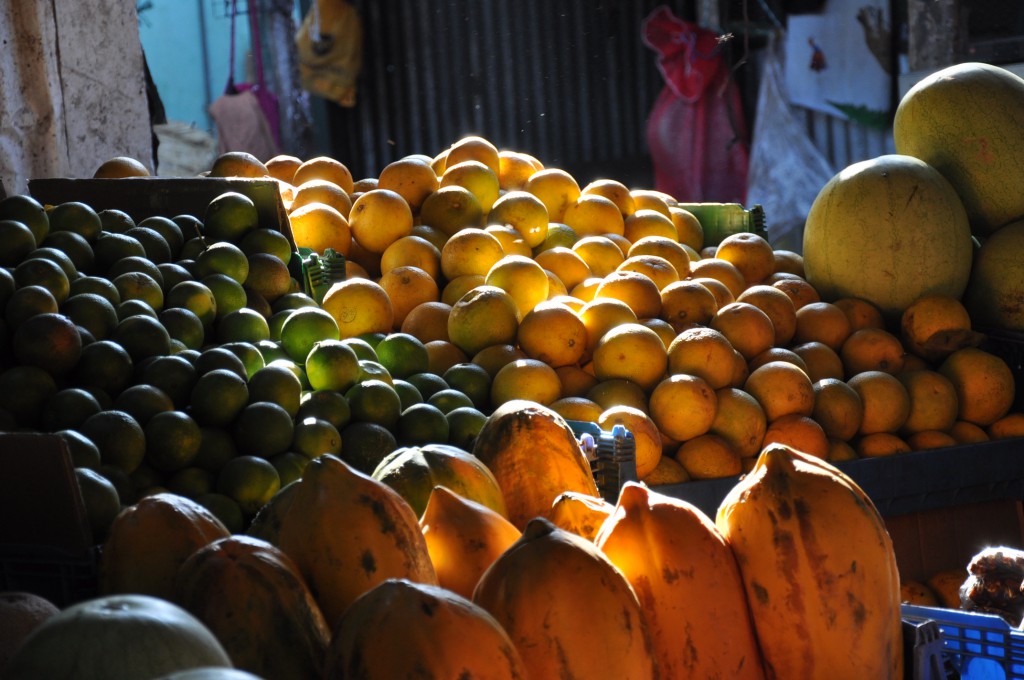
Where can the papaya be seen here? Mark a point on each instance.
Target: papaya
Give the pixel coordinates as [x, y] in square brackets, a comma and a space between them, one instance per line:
[149, 541]
[570, 612]
[535, 456]
[994, 297]
[463, 539]
[581, 514]
[889, 230]
[967, 121]
[347, 532]
[402, 629]
[688, 583]
[250, 595]
[414, 471]
[818, 567]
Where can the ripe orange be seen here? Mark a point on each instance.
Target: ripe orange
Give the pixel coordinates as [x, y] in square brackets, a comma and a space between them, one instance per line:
[428, 321]
[654, 267]
[968, 433]
[687, 303]
[779, 308]
[379, 218]
[703, 352]
[688, 227]
[450, 209]
[615, 191]
[470, 251]
[872, 349]
[576, 382]
[635, 289]
[799, 432]
[601, 315]
[934, 326]
[984, 384]
[739, 420]
[633, 352]
[777, 354]
[799, 290]
[782, 389]
[886, 401]
[556, 188]
[485, 316]
[412, 251]
[1010, 425]
[709, 456]
[600, 253]
[750, 253]
[789, 262]
[821, 360]
[861, 313]
[553, 333]
[683, 394]
[618, 392]
[474, 148]
[408, 287]
[525, 212]
[120, 167]
[822, 322]
[577, 408]
[838, 408]
[528, 379]
[666, 248]
[411, 179]
[721, 270]
[324, 167]
[318, 226]
[512, 242]
[648, 222]
[929, 439]
[566, 264]
[282, 167]
[359, 306]
[493, 357]
[646, 438]
[650, 199]
[748, 328]
[476, 177]
[522, 278]
[515, 168]
[238, 164]
[880, 444]
[593, 215]
[459, 286]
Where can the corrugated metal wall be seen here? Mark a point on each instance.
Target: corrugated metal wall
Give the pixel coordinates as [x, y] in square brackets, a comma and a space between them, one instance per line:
[568, 81]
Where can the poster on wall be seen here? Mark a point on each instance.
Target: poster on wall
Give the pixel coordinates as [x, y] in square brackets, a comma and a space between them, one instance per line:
[838, 60]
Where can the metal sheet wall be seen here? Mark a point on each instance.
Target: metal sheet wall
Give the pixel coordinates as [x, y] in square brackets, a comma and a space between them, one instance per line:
[569, 81]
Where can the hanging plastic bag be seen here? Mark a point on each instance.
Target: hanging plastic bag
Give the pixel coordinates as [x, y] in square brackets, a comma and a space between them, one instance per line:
[696, 130]
[330, 49]
[246, 115]
[786, 170]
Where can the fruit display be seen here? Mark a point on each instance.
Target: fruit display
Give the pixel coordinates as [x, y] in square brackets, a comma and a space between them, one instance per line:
[315, 471]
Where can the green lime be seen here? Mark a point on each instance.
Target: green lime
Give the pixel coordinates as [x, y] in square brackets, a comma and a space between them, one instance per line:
[18, 242]
[290, 301]
[156, 246]
[247, 352]
[50, 341]
[373, 370]
[74, 246]
[28, 301]
[58, 257]
[229, 217]
[119, 437]
[422, 424]
[143, 402]
[242, 325]
[250, 481]
[121, 481]
[314, 437]
[172, 440]
[135, 264]
[375, 401]
[115, 220]
[67, 409]
[328, 405]
[216, 447]
[142, 336]
[225, 509]
[183, 325]
[168, 229]
[276, 383]
[464, 424]
[473, 380]
[45, 273]
[403, 355]
[363, 349]
[271, 350]
[364, 445]
[27, 210]
[101, 500]
[98, 285]
[174, 375]
[104, 365]
[216, 356]
[135, 308]
[229, 294]
[92, 312]
[191, 226]
[192, 248]
[173, 274]
[110, 247]
[191, 482]
[332, 365]
[305, 327]
[140, 286]
[84, 452]
[289, 466]
[372, 339]
[276, 322]
[218, 397]
[449, 399]
[407, 392]
[559, 235]
[223, 258]
[427, 383]
[268, 241]
[263, 429]
[196, 297]
[77, 217]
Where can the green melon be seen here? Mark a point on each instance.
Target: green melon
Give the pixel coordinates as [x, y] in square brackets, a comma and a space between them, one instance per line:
[995, 293]
[888, 230]
[967, 121]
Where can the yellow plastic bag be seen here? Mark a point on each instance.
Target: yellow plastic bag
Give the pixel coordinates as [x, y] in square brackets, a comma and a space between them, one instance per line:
[330, 49]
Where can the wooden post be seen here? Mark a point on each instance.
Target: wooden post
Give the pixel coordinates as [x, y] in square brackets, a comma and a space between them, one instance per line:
[934, 33]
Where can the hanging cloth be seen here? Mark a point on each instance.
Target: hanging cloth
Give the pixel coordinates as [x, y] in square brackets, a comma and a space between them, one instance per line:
[696, 129]
[330, 48]
[246, 115]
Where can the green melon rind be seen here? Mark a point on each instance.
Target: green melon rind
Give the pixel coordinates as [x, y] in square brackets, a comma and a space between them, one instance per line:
[995, 293]
[888, 230]
[967, 121]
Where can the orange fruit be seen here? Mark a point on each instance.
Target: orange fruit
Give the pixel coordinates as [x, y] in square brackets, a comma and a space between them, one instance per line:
[450, 209]
[718, 290]
[1010, 425]
[474, 148]
[379, 218]
[442, 355]
[779, 308]
[799, 432]
[933, 326]
[871, 349]
[861, 313]
[428, 321]
[412, 251]
[120, 167]
[821, 360]
[789, 262]
[525, 212]
[777, 354]
[476, 177]
[585, 290]
[411, 179]
[576, 382]
[470, 251]
[708, 456]
[600, 253]
[593, 215]
[514, 169]
[408, 287]
[633, 352]
[703, 352]
[648, 222]
[556, 189]
[720, 270]
[553, 333]
[268, 276]
[435, 236]
[485, 316]
[577, 408]
[822, 322]
[880, 444]
[493, 357]
[800, 291]
[678, 394]
[618, 392]
[646, 439]
[566, 264]
[512, 242]
[615, 191]
[748, 328]
[238, 164]
[649, 199]
[838, 408]
[782, 389]
[662, 328]
[686, 303]
[318, 226]
[663, 247]
[654, 267]
[984, 384]
[750, 253]
[359, 306]
[459, 286]
[688, 228]
[840, 451]
[929, 439]
[635, 289]
[528, 379]
[283, 166]
[886, 401]
[601, 315]
[968, 433]
[739, 420]
[522, 278]
[326, 168]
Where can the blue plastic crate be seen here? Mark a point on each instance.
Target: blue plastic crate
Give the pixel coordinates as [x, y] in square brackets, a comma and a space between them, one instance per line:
[975, 646]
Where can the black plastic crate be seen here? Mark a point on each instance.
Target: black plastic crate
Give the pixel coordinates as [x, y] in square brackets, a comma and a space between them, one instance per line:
[61, 577]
